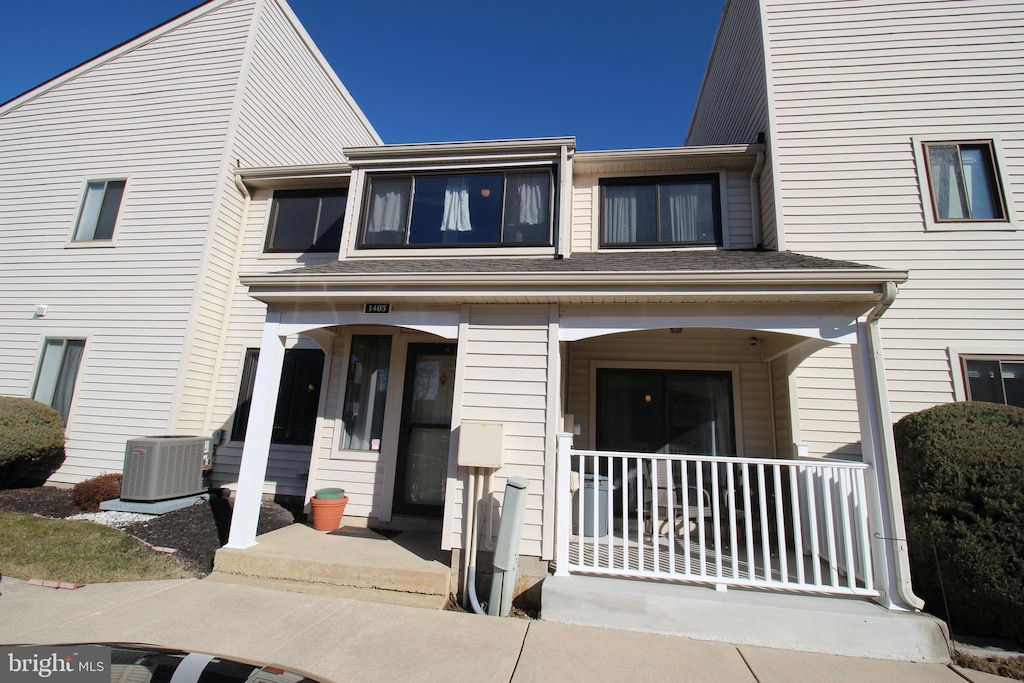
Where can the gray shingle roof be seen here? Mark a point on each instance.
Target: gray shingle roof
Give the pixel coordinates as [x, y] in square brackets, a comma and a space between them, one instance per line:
[582, 262]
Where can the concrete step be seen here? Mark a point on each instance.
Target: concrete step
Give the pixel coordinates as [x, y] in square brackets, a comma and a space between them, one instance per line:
[409, 569]
[809, 623]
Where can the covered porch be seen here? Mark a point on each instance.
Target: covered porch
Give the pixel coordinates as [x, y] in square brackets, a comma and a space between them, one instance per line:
[686, 466]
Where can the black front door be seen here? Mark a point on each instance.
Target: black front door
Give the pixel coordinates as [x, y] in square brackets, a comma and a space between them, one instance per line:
[426, 429]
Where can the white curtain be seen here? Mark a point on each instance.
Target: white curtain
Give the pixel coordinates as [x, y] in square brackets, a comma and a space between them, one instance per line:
[620, 218]
[456, 206]
[687, 213]
[389, 201]
[530, 194]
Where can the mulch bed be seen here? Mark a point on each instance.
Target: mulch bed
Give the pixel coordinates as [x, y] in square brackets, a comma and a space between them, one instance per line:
[196, 531]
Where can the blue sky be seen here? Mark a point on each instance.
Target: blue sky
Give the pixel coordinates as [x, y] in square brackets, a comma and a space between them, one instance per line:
[615, 75]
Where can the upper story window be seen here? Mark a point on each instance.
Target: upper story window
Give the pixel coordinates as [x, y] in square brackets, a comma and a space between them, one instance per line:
[306, 220]
[995, 379]
[99, 211]
[963, 181]
[659, 211]
[480, 209]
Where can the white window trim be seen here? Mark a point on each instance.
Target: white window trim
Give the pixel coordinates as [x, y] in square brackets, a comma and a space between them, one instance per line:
[73, 243]
[921, 167]
[732, 368]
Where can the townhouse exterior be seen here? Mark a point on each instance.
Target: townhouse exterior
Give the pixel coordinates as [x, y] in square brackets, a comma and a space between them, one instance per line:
[693, 355]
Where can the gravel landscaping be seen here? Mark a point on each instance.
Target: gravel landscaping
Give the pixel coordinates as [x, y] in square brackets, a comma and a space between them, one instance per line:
[196, 531]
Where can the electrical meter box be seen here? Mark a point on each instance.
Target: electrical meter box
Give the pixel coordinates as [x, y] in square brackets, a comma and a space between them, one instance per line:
[481, 444]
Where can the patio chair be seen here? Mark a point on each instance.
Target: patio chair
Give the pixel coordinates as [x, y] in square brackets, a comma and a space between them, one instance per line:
[690, 513]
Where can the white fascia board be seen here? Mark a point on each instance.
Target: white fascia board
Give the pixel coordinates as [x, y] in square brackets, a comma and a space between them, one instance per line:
[460, 150]
[270, 176]
[113, 53]
[663, 153]
[768, 279]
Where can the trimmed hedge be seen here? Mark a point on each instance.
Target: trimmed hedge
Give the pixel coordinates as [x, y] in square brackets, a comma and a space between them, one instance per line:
[31, 434]
[87, 495]
[962, 473]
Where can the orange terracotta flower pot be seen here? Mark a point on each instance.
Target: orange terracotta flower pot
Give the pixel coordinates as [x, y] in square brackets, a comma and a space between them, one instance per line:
[327, 513]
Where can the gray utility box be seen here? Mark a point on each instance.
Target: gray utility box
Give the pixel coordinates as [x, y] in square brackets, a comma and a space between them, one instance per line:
[162, 467]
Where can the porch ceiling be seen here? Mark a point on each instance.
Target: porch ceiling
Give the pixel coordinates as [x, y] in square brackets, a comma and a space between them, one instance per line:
[639, 277]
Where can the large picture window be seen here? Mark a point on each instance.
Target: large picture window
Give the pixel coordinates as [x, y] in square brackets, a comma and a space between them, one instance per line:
[366, 391]
[306, 221]
[995, 379]
[297, 399]
[481, 209]
[963, 181]
[58, 369]
[661, 211]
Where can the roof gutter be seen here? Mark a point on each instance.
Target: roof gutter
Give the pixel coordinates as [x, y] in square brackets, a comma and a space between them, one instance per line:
[768, 278]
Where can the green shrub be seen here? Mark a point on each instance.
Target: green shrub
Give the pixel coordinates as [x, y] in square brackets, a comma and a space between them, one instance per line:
[31, 435]
[962, 472]
[87, 495]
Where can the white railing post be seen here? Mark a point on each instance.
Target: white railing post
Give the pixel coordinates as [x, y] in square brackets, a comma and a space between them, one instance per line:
[563, 504]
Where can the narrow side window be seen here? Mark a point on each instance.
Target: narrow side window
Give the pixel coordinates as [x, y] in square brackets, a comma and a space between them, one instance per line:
[100, 207]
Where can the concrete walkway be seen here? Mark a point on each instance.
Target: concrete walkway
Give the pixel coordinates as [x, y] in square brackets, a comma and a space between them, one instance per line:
[343, 639]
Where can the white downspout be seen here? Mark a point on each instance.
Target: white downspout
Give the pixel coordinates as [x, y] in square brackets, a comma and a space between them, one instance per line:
[887, 452]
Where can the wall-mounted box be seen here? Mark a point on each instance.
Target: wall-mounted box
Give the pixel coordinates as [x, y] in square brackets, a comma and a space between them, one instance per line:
[481, 444]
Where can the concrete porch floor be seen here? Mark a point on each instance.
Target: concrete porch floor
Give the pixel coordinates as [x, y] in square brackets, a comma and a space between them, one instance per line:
[786, 621]
[409, 569]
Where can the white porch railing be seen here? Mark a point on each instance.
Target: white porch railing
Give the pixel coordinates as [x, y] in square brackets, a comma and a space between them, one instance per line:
[796, 525]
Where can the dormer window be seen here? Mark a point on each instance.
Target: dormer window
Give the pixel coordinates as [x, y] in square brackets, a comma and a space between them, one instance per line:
[661, 211]
[478, 209]
[306, 220]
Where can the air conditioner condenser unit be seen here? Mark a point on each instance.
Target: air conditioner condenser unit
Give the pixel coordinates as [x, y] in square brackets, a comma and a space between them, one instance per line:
[162, 467]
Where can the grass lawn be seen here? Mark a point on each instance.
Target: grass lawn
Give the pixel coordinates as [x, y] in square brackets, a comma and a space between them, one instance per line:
[78, 551]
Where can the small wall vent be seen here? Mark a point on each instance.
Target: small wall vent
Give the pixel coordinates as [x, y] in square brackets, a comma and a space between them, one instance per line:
[162, 467]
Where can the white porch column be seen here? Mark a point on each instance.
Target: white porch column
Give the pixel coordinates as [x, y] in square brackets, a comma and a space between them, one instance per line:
[889, 547]
[253, 470]
[563, 504]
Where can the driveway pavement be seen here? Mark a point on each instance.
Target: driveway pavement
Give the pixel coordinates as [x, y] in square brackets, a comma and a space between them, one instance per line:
[342, 639]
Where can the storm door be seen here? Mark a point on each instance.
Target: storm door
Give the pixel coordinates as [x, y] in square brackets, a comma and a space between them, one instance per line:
[426, 430]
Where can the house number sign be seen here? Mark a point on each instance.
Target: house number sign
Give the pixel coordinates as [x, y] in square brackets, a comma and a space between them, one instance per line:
[377, 308]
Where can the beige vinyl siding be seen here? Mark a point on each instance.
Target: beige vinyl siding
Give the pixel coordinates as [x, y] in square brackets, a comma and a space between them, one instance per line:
[852, 84]
[291, 110]
[586, 224]
[737, 226]
[506, 381]
[244, 330]
[785, 439]
[294, 110]
[156, 114]
[732, 104]
[661, 348]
